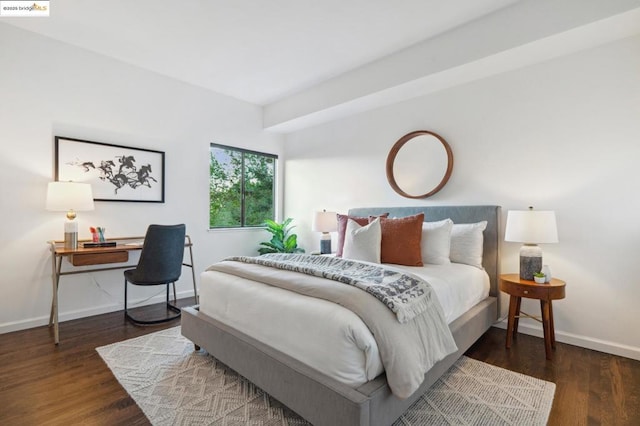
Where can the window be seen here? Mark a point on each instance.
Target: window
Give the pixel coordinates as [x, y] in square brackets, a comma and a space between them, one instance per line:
[241, 187]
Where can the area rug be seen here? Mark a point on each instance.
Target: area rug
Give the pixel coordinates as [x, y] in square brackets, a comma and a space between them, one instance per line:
[174, 385]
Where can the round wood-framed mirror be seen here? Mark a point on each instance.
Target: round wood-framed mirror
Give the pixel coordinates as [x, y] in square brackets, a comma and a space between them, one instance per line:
[419, 164]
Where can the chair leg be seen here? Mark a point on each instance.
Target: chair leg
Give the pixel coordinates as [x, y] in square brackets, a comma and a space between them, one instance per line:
[125, 297]
[138, 321]
[169, 305]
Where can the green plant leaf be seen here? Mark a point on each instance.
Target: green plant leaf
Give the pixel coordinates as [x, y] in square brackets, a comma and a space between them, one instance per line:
[277, 243]
[282, 240]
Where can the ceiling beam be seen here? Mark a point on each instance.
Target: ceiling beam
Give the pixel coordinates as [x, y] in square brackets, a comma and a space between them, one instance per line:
[528, 32]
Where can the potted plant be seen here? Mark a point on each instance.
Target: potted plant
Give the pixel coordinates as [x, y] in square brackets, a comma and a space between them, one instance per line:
[282, 241]
[539, 277]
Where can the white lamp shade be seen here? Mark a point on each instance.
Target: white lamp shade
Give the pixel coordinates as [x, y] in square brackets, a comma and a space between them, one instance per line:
[325, 221]
[64, 196]
[531, 226]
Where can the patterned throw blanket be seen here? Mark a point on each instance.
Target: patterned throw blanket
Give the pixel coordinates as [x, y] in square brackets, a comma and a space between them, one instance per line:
[407, 296]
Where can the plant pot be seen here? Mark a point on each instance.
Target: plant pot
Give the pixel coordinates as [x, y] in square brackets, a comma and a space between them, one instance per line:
[539, 280]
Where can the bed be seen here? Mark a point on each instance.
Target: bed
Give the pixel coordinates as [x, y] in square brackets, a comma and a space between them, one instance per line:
[326, 400]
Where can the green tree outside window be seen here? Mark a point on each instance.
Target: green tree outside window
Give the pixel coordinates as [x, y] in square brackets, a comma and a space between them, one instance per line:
[241, 187]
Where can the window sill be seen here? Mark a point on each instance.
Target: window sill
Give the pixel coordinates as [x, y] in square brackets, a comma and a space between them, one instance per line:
[241, 229]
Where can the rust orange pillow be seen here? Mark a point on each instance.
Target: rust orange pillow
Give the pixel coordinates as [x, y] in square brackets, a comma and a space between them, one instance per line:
[342, 227]
[401, 239]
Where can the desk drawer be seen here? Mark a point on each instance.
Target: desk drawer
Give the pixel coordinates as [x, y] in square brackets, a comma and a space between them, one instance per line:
[99, 258]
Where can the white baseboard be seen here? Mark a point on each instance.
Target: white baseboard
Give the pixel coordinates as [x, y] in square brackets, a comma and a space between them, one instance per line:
[532, 330]
[82, 313]
[577, 340]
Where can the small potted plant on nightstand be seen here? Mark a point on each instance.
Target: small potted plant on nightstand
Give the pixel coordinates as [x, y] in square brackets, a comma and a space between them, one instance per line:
[539, 277]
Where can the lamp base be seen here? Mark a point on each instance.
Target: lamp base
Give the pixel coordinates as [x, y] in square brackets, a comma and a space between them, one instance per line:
[71, 234]
[71, 240]
[530, 261]
[325, 243]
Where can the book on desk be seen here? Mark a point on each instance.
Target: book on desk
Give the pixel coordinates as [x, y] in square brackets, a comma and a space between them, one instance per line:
[102, 244]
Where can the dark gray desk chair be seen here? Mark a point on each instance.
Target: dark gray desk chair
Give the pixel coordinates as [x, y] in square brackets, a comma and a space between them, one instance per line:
[160, 264]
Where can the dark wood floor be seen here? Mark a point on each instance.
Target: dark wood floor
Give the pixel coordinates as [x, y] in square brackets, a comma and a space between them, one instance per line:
[41, 384]
[592, 388]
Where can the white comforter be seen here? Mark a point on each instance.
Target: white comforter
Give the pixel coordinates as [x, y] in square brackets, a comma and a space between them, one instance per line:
[322, 334]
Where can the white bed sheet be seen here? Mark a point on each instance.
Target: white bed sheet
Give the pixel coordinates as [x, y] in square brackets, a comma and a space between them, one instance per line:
[322, 334]
[459, 287]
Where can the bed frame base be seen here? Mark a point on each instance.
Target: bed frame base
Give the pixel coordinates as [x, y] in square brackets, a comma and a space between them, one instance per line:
[313, 395]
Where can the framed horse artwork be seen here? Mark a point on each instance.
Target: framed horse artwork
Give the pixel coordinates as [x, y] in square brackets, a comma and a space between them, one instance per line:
[115, 172]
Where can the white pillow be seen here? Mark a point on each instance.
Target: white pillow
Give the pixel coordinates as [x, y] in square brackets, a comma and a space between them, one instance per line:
[436, 242]
[362, 242]
[466, 243]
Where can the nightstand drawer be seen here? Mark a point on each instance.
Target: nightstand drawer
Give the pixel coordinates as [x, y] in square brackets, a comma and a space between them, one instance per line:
[524, 290]
[530, 292]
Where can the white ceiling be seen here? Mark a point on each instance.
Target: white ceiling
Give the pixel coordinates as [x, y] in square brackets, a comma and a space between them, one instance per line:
[260, 51]
[308, 62]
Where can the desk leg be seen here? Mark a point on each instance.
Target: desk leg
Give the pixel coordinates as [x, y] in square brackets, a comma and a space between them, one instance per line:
[545, 307]
[193, 272]
[55, 278]
[51, 313]
[513, 306]
[54, 260]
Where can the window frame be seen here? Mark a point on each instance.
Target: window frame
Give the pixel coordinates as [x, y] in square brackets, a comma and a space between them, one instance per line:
[244, 151]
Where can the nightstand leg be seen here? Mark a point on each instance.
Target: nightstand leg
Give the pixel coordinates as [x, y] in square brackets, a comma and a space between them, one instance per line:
[545, 307]
[552, 328]
[516, 319]
[513, 307]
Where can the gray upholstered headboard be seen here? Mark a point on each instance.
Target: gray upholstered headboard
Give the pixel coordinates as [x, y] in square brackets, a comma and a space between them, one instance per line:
[459, 214]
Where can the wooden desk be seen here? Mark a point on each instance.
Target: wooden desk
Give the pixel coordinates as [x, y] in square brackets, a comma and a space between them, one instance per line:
[517, 289]
[98, 256]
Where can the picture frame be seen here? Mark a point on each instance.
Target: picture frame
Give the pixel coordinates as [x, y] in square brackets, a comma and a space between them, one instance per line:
[115, 172]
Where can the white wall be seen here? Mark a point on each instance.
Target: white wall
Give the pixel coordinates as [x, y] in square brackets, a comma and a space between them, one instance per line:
[49, 88]
[560, 135]
[575, 117]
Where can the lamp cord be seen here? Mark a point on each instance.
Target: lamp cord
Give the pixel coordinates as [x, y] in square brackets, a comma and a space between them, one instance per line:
[118, 300]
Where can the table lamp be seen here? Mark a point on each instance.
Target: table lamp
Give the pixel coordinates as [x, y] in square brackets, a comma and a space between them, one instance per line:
[325, 222]
[531, 227]
[69, 197]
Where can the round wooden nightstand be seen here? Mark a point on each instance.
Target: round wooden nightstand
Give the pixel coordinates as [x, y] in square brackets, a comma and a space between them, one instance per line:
[518, 288]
